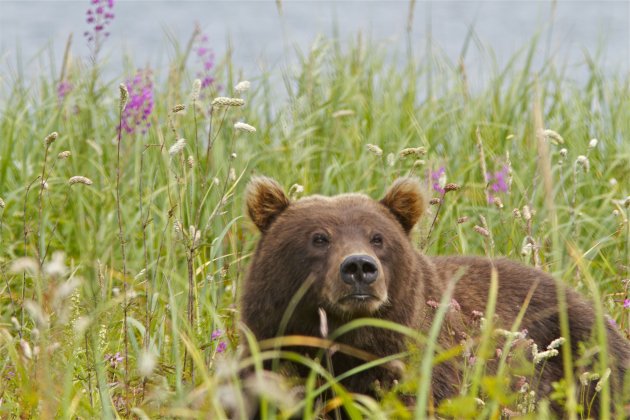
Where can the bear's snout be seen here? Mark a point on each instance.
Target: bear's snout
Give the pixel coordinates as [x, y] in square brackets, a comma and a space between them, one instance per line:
[357, 270]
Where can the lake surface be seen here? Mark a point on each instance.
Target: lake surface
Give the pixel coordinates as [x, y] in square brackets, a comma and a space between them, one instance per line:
[261, 34]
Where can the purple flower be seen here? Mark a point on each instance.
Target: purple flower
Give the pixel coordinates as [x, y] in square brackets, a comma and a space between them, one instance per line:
[221, 347]
[113, 359]
[205, 56]
[140, 105]
[626, 304]
[63, 88]
[438, 179]
[612, 322]
[98, 20]
[216, 334]
[498, 182]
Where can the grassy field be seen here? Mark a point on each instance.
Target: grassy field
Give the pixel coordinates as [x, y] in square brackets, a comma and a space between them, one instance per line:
[119, 291]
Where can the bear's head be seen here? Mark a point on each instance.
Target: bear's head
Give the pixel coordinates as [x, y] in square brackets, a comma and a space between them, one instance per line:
[350, 254]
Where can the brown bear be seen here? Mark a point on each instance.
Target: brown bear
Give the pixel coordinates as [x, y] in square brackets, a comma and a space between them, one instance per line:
[352, 257]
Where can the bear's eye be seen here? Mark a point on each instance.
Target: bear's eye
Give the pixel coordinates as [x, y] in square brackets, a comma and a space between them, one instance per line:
[320, 240]
[377, 239]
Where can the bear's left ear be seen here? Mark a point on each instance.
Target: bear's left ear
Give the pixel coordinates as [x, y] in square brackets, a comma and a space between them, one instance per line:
[406, 201]
[265, 200]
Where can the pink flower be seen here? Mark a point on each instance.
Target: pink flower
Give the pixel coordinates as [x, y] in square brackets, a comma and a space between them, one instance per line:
[433, 304]
[98, 19]
[216, 334]
[438, 179]
[221, 347]
[140, 105]
[626, 304]
[498, 183]
[455, 305]
[63, 88]
[206, 56]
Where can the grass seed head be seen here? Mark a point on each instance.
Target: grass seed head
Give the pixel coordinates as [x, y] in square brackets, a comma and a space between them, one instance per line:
[50, 139]
[241, 126]
[451, 187]
[582, 161]
[544, 355]
[191, 161]
[482, 231]
[242, 86]
[26, 349]
[602, 381]
[374, 149]
[592, 144]
[343, 113]
[1, 203]
[295, 190]
[178, 229]
[527, 213]
[556, 343]
[391, 159]
[124, 96]
[553, 137]
[24, 264]
[195, 235]
[177, 108]
[146, 363]
[413, 152]
[64, 155]
[225, 101]
[80, 180]
[196, 88]
[177, 147]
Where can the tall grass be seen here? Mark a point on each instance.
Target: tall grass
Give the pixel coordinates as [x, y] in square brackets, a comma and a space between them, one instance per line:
[155, 250]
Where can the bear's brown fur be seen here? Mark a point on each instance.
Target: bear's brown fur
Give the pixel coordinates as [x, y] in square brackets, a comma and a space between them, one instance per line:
[352, 257]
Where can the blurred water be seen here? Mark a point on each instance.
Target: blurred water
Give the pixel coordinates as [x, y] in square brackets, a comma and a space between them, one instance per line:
[259, 33]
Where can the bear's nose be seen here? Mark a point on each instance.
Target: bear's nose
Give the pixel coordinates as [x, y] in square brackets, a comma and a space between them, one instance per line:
[359, 269]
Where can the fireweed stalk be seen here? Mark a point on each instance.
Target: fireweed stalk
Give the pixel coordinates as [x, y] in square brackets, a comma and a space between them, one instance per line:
[99, 17]
[135, 115]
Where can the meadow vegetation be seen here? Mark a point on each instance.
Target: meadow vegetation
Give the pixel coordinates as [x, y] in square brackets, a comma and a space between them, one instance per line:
[124, 242]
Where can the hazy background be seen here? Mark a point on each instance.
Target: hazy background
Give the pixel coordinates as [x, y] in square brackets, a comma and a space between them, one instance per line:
[261, 34]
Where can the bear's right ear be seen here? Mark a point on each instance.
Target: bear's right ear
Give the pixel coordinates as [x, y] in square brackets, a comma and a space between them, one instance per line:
[265, 200]
[406, 201]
